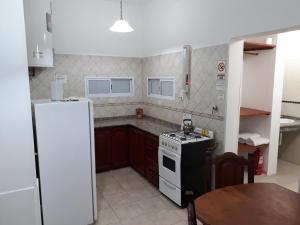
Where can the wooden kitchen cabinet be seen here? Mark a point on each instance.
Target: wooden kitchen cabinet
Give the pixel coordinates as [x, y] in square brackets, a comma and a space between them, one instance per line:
[122, 146]
[103, 149]
[151, 159]
[111, 148]
[137, 150]
[119, 143]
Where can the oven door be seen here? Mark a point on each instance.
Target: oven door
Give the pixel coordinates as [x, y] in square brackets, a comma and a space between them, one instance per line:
[169, 166]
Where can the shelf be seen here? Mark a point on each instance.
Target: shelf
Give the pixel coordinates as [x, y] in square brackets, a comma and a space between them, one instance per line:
[252, 46]
[247, 112]
[244, 148]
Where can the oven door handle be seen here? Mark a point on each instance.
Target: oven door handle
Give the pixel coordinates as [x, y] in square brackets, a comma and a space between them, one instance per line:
[168, 154]
[169, 186]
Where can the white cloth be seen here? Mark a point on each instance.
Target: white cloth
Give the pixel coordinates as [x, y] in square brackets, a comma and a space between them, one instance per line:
[243, 137]
[256, 141]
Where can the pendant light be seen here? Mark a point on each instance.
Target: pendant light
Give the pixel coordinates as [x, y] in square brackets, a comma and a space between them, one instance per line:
[121, 25]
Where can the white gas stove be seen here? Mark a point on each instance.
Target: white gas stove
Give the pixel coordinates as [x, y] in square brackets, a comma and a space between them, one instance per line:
[181, 163]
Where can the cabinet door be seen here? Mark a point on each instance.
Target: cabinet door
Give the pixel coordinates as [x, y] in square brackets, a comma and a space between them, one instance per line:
[103, 149]
[120, 154]
[151, 147]
[38, 16]
[151, 172]
[140, 151]
[151, 159]
[132, 159]
[137, 150]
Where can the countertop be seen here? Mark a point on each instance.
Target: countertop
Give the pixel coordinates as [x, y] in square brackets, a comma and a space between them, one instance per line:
[148, 124]
[290, 126]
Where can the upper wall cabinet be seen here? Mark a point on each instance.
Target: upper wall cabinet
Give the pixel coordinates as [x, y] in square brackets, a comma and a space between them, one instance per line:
[38, 21]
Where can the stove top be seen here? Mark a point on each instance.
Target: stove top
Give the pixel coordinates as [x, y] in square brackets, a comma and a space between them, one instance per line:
[181, 137]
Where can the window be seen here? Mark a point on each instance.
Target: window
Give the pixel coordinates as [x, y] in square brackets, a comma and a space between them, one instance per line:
[161, 87]
[108, 86]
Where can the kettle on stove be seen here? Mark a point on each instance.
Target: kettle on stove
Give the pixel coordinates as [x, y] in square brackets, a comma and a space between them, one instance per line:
[187, 126]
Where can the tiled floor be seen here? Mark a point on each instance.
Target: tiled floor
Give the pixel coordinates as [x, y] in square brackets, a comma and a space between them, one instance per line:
[125, 198]
[288, 176]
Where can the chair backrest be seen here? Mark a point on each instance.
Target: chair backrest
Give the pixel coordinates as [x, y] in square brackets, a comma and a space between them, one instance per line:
[229, 170]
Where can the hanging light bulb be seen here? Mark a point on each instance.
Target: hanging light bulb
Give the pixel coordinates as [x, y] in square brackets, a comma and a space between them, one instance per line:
[121, 25]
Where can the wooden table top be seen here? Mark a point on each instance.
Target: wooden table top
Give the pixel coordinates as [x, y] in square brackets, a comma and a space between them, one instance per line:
[249, 204]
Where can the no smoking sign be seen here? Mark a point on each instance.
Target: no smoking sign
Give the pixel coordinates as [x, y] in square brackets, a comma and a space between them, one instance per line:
[221, 67]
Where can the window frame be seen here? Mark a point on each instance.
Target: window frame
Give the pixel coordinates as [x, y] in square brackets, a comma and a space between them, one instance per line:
[110, 94]
[160, 96]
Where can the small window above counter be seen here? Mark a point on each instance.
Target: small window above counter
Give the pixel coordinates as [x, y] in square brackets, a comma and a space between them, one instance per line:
[109, 86]
[161, 87]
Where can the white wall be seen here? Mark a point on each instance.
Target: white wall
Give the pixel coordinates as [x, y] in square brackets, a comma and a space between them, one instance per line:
[234, 85]
[82, 27]
[258, 79]
[291, 73]
[17, 168]
[172, 23]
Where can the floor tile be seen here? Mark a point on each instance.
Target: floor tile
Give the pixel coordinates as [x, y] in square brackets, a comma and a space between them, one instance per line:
[107, 217]
[118, 198]
[127, 211]
[126, 198]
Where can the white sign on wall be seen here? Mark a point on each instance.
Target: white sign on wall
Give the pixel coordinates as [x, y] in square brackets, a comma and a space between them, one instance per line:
[221, 69]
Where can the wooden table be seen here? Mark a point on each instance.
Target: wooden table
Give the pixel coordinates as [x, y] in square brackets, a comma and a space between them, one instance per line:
[249, 204]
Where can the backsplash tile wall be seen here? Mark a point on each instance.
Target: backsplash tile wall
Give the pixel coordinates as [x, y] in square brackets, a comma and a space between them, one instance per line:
[76, 67]
[203, 94]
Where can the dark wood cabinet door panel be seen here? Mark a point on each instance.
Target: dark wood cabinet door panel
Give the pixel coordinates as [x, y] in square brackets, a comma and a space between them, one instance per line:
[152, 141]
[131, 145]
[103, 149]
[140, 151]
[120, 154]
[150, 164]
[152, 177]
[137, 149]
[122, 146]
[151, 147]
[151, 153]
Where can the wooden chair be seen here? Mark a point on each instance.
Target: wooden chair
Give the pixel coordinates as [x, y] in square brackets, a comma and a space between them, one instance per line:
[191, 208]
[229, 169]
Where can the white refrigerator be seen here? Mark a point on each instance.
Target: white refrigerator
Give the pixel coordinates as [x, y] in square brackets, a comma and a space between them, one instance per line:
[64, 134]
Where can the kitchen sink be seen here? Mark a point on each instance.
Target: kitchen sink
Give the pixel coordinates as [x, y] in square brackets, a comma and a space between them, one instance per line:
[286, 121]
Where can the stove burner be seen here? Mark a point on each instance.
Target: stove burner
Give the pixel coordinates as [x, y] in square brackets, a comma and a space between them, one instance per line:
[172, 135]
[183, 138]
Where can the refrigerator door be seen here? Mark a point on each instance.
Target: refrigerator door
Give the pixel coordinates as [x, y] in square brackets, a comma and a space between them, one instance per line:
[93, 159]
[64, 153]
